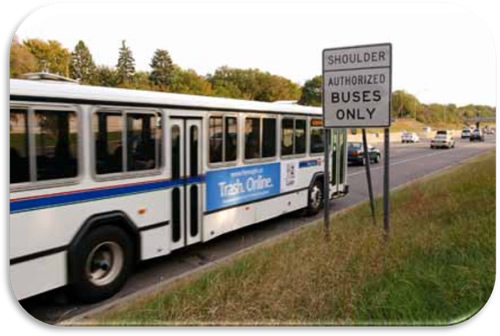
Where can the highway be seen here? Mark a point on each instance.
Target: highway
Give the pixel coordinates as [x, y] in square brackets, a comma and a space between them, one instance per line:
[408, 162]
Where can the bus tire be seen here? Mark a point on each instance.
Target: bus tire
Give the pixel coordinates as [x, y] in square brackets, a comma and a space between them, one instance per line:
[315, 198]
[102, 263]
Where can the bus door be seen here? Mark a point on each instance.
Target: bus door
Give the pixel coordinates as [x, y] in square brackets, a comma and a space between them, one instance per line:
[334, 175]
[342, 144]
[339, 158]
[186, 172]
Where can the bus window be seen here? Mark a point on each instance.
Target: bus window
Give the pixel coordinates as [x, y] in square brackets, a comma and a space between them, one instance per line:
[286, 136]
[193, 149]
[141, 142]
[317, 140]
[176, 152]
[108, 128]
[252, 138]
[300, 136]
[231, 138]
[269, 137]
[215, 139]
[19, 149]
[55, 145]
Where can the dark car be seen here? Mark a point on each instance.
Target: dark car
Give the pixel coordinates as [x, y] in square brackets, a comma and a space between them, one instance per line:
[356, 154]
[477, 135]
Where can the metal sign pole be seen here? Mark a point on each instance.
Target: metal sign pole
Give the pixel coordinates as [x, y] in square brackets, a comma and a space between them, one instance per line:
[326, 185]
[386, 182]
[368, 176]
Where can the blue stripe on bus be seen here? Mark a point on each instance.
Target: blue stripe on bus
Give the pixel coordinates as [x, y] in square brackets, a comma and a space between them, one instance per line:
[91, 195]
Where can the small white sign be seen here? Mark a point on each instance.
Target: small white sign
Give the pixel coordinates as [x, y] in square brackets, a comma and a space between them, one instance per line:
[357, 86]
[289, 171]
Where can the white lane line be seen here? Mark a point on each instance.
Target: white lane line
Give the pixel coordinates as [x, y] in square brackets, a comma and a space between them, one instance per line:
[405, 161]
[394, 164]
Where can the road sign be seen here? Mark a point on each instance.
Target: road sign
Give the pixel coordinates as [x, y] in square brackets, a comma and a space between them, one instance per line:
[357, 86]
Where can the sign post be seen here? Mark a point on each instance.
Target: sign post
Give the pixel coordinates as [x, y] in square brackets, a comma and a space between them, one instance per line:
[368, 176]
[357, 94]
[386, 183]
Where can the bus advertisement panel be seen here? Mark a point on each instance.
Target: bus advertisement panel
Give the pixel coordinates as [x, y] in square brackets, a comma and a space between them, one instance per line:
[239, 185]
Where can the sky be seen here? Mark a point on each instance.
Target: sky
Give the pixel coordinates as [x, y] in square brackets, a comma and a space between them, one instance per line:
[441, 52]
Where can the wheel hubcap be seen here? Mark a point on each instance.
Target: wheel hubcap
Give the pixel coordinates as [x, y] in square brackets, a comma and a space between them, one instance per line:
[316, 197]
[104, 263]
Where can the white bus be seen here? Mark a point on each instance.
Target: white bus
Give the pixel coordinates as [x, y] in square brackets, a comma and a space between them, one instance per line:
[102, 178]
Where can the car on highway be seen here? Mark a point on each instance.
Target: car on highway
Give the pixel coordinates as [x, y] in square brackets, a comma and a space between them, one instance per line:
[489, 130]
[477, 135]
[443, 139]
[466, 133]
[356, 154]
[410, 138]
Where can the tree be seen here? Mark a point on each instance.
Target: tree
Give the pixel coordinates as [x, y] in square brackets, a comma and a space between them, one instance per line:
[188, 81]
[82, 66]
[21, 59]
[125, 67]
[105, 76]
[273, 88]
[237, 83]
[163, 68]
[228, 90]
[252, 84]
[404, 105]
[51, 56]
[140, 81]
[311, 92]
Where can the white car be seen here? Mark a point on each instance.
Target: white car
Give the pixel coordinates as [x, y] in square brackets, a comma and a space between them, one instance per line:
[490, 130]
[410, 137]
[466, 133]
[443, 139]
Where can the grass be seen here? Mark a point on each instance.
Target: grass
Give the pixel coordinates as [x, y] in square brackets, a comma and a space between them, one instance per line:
[437, 267]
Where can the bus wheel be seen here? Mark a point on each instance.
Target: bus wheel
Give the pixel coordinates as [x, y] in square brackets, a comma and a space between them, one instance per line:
[315, 198]
[102, 262]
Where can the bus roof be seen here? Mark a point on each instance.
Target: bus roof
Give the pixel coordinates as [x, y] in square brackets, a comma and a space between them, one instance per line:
[64, 92]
